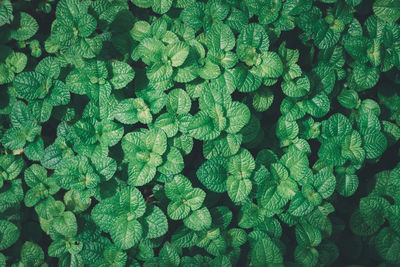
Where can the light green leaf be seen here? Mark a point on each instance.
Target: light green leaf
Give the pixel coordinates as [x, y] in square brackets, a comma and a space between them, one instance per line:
[178, 210]
[155, 222]
[351, 147]
[31, 85]
[140, 173]
[27, 27]
[365, 77]
[86, 25]
[32, 254]
[300, 206]
[161, 6]
[271, 66]
[325, 183]
[178, 102]
[173, 163]
[177, 52]
[16, 61]
[125, 233]
[220, 37]
[238, 189]
[201, 127]
[296, 88]
[387, 10]
[238, 116]
[66, 224]
[122, 74]
[241, 165]
[336, 125]
[199, 220]
[318, 106]
[209, 70]
[178, 187]
[346, 184]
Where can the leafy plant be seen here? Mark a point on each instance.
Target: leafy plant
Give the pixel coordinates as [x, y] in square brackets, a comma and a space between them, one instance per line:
[199, 133]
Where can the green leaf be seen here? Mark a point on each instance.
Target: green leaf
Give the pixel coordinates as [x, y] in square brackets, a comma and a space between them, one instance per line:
[16, 61]
[238, 116]
[238, 189]
[308, 235]
[6, 12]
[178, 187]
[263, 99]
[300, 206]
[66, 224]
[178, 210]
[271, 66]
[177, 52]
[394, 218]
[213, 174]
[359, 226]
[306, 256]
[241, 165]
[209, 70]
[140, 173]
[237, 237]
[161, 6]
[169, 256]
[32, 254]
[35, 175]
[195, 198]
[318, 106]
[220, 37]
[9, 234]
[351, 147]
[173, 162]
[286, 130]
[155, 222]
[373, 210]
[264, 252]
[126, 233]
[246, 80]
[26, 27]
[201, 127]
[336, 125]
[198, 220]
[323, 78]
[387, 10]
[375, 143]
[325, 183]
[178, 102]
[346, 184]
[348, 98]
[365, 77]
[296, 88]
[86, 25]
[31, 85]
[122, 74]
[52, 157]
[325, 37]
[388, 245]
[10, 166]
[110, 133]
[254, 35]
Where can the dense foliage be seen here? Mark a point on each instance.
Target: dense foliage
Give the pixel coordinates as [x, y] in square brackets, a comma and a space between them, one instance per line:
[199, 133]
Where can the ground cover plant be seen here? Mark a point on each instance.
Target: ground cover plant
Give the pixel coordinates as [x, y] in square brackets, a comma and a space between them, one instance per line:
[199, 133]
